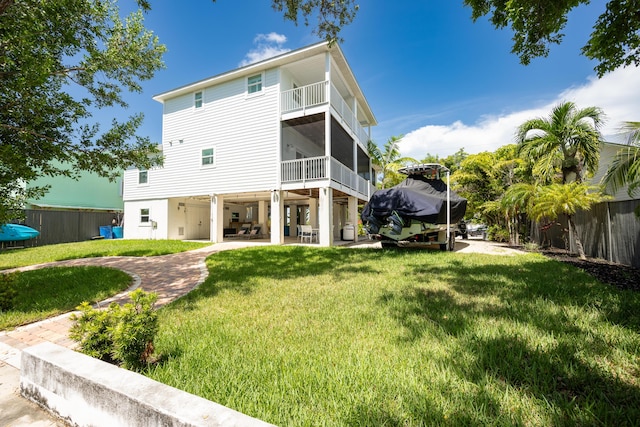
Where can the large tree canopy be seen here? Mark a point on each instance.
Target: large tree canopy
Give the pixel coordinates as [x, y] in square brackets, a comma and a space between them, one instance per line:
[536, 24]
[614, 42]
[60, 60]
[331, 15]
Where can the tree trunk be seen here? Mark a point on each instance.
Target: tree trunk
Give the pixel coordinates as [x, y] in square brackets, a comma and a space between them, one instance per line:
[576, 237]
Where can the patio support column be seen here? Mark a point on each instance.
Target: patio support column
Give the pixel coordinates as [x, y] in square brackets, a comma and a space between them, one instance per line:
[293, 216]
[313, 212]
[277, 218]
[338, 220]
[216, 230]
[325, 223]
[352, 214]
[263, 214]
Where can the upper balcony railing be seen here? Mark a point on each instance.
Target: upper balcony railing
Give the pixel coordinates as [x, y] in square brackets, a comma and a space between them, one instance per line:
[304, 97]
[313, 95]
[339, 104]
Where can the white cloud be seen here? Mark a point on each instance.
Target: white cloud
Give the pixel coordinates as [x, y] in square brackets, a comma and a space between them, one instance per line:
[271, 38]
[266, 46]
[616, 94]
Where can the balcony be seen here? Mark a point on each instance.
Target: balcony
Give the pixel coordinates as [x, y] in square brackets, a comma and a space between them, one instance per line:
[308, 173]
[302, 99]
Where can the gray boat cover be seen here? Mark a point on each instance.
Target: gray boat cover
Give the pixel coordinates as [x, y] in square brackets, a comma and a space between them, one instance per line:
[415, 198]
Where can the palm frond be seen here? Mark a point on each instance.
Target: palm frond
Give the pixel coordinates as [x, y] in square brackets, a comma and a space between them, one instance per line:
[556, 199]
[625, 167]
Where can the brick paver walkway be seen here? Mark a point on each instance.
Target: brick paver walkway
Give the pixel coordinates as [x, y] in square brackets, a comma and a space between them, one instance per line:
[170, 276]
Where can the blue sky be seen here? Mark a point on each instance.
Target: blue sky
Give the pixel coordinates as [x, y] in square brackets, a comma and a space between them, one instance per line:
[428, 72]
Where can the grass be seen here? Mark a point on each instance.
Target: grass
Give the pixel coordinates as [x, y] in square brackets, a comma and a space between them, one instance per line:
[48, 292]
[51, 291]
[95, 248]
[343, 337]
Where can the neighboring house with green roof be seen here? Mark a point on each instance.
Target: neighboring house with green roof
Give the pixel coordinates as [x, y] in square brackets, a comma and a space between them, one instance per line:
[90, 192]
[73, 210]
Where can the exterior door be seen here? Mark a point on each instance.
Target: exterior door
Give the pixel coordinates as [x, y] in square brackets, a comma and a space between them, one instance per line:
[198, 222]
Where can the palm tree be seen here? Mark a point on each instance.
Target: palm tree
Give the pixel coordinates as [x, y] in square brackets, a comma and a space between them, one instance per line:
[568, 140]
[553, 200]
[625, 168]
[389, 160]
[518, 199]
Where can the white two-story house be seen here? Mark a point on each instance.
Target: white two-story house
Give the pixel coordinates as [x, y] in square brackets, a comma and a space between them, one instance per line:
[277, 143]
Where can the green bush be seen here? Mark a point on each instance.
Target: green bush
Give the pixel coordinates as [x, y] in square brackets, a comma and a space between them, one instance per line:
[92, 330]
[122, 335]
[7, 291]
[498, 234]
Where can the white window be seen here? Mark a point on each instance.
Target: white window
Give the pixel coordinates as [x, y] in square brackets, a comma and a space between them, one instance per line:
[208, 157]
[197, 100]
[254, 84]
[143, 177]
[144, 216]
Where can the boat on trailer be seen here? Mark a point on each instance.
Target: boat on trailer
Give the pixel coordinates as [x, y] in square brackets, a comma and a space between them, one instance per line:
[421, 210]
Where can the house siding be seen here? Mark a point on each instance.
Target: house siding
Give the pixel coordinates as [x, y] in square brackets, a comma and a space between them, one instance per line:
[244, 131]
[133, 228]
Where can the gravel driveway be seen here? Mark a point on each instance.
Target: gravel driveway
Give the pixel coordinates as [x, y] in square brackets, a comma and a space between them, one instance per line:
[485, 247]
[470, 245]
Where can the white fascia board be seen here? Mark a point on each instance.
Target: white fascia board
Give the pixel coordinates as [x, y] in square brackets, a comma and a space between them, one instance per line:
[274, 62]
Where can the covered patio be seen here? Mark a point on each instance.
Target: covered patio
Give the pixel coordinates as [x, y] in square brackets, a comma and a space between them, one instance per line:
[279, 213]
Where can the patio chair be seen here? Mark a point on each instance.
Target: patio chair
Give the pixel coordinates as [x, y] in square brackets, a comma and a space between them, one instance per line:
[306, 232]
[244, 231]
[255, 232]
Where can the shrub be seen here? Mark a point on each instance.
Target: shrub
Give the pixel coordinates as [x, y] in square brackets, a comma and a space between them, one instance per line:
[135, 330]
[498, 234]
[7, 291]
[121, 335]
[92, 330]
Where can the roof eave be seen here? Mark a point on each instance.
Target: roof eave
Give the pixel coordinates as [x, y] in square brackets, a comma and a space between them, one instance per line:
[238, 72]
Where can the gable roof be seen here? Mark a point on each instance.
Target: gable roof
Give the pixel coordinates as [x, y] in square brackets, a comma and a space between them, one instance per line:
[286, 58]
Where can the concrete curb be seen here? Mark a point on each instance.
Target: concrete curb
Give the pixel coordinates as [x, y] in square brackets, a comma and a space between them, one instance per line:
[84, 391]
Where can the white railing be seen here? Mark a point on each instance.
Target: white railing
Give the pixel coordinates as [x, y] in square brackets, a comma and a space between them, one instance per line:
[343, 175]
[316, 168]
[303, 97]
[347, 115]
[303, 170]
[372, 188]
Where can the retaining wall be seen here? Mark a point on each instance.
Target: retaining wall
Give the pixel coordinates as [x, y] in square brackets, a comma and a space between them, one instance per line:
[85, 391]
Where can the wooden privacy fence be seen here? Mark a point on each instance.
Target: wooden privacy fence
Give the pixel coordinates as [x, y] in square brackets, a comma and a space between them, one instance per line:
[66, 226]
[609, 231]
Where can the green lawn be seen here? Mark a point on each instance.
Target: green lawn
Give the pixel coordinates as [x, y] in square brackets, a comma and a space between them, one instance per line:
[95, 248]
[300, 336]
[51, 291]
